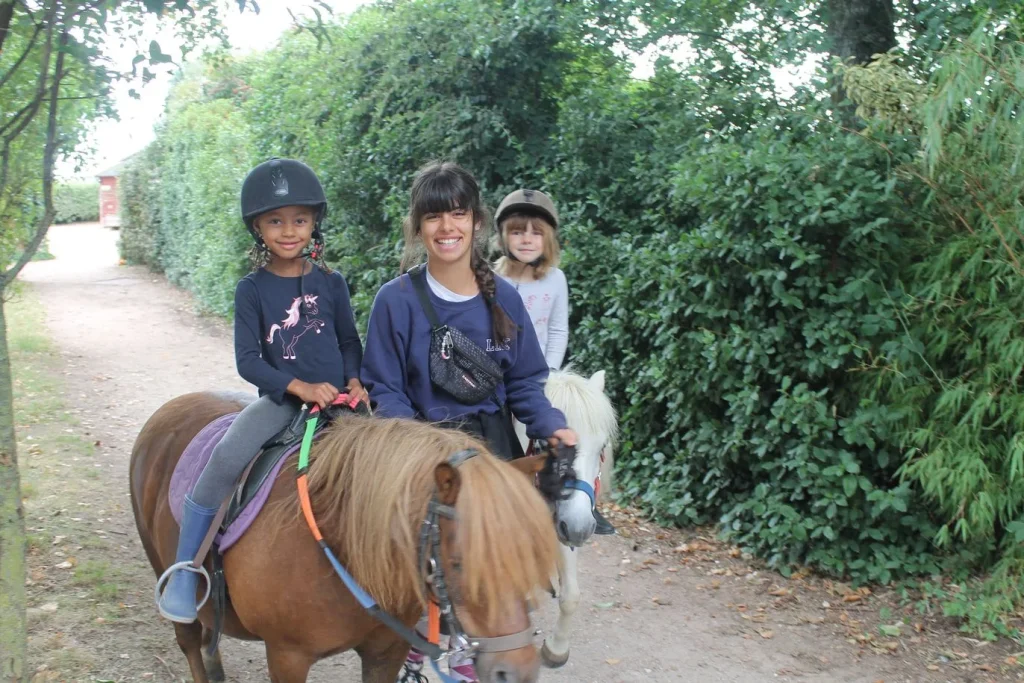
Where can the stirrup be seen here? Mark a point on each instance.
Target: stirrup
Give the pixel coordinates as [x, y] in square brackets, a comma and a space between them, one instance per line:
[185, 565]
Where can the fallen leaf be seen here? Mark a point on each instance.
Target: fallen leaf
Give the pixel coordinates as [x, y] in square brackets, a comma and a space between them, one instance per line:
[664, 602]
[48, 607]
[612, 662]
[766, 633]
[986, 667]
[780, 592]
[852, 597]
[932, 667]
[66, 564]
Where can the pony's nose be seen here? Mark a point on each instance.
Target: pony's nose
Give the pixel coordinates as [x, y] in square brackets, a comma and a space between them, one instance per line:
[577, 533]
[503, 673]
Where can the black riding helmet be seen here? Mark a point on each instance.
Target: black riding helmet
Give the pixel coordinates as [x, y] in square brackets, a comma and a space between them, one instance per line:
[281, 182]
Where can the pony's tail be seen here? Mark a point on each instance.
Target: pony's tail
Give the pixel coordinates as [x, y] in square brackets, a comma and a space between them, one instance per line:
[273, 328]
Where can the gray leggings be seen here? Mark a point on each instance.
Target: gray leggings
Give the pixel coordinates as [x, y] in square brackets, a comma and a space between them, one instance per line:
[259, 421]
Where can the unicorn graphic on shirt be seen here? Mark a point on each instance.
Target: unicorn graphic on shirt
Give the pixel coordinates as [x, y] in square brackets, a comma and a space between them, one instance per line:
[292, 322]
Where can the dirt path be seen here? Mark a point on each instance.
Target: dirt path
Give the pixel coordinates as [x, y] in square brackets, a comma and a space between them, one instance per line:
[653, 608]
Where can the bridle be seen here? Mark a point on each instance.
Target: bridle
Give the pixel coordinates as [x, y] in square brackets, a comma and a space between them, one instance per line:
[441, 604]
[432, 572]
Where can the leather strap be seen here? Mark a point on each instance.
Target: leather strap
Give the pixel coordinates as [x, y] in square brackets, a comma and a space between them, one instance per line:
[204, 547]
[418, 275]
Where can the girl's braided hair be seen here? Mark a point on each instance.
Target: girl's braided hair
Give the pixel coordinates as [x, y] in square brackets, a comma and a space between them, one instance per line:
[259, 255]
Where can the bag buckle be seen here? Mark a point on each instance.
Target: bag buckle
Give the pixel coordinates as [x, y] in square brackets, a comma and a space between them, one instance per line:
[446, 345]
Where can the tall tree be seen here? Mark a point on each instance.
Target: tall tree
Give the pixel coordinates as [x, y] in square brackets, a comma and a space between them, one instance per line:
[52, 79]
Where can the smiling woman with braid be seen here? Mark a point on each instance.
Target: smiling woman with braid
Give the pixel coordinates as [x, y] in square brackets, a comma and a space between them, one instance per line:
[450, 343]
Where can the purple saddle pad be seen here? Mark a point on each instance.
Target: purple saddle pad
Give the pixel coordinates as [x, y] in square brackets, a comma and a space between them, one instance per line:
[191, 465]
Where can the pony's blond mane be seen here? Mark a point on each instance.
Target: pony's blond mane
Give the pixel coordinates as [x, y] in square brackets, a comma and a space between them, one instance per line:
[370, 481]
[587, 410]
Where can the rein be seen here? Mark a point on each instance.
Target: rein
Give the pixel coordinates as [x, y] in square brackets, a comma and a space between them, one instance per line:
[430, 565]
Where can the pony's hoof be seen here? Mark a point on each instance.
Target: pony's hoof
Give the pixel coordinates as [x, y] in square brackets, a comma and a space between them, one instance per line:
[214, 669]
[551, 660]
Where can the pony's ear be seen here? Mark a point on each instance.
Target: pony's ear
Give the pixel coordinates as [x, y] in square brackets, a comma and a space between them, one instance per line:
[448, 482]
[530, 466]
[597, 379]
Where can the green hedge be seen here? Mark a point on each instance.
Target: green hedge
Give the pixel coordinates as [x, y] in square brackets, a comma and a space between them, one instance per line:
[76, 202]
[735, 338]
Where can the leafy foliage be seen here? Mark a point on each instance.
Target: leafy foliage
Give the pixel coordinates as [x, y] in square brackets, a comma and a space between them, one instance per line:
[76, 202]
[955, 370]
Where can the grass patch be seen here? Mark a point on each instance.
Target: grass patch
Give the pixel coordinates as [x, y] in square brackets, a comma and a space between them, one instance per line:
[100, 578]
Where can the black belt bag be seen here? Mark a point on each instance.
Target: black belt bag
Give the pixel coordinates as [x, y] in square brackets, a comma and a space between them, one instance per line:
[458, 366]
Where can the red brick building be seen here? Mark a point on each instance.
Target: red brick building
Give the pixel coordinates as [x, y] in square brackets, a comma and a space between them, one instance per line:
[110, 208]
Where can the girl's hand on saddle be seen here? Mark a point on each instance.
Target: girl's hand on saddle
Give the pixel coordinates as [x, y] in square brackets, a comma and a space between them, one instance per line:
[321, 393]
[566, 436]
[355, 388]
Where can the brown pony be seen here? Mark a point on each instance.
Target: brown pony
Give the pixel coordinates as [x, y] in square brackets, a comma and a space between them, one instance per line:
[370, 482]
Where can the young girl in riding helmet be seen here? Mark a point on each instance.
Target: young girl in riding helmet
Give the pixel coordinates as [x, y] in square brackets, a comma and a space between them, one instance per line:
[446, 220]
[295, 340]
[527, 225]
[526, 222]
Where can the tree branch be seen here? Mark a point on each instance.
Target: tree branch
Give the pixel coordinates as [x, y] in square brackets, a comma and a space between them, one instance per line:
[33, 106]
[28, 49]
[49, 155]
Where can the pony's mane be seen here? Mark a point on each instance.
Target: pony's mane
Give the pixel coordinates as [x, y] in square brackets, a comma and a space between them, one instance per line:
[587, 410]
[370, 481]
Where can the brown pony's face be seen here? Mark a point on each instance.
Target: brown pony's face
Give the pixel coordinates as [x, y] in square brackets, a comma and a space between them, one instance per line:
[509, 616]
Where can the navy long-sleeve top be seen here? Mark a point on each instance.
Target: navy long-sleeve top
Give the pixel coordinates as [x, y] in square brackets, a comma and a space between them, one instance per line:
[295, 328]
[396, 367]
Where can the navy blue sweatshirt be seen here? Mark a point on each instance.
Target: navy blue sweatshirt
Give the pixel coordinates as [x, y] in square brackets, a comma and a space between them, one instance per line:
[396, 369]
[277, 339]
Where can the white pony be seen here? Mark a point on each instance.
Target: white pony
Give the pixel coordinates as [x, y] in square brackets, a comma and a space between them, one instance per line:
[591, 415]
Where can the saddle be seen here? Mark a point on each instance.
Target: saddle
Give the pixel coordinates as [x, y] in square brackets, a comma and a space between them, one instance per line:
[277, 448]
[266, 463]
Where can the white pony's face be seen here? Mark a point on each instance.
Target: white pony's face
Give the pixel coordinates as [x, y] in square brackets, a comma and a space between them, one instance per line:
[593, 420]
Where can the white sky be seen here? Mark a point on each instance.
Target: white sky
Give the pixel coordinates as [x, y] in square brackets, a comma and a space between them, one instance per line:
[111, 141]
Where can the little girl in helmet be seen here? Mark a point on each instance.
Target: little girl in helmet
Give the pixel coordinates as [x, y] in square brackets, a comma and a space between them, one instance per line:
[295, 340]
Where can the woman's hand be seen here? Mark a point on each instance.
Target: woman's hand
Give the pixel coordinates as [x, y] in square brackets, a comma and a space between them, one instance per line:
[566, 436]
[355, 388]
[321, 393]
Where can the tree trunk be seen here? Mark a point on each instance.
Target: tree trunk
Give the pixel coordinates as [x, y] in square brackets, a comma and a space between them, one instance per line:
[6, 14]
[12, 530]
[861, 28]
[857, 29]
